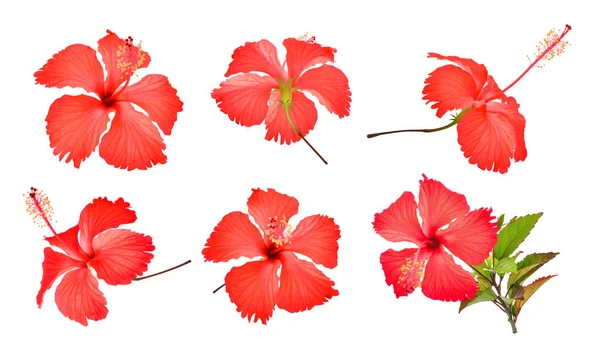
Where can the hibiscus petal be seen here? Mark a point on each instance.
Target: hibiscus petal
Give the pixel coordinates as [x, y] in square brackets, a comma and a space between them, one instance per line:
[244, 98]
[477, 71]
[472, 237]
[121, 255]
[75, 124]
[75, 66]
[109, 46]
[54, 265]
[317, 238]
[444, 280]
[132, 142]
[258, 56]
[253, 288]
[399, 223]
[330, 86]
[491, 135]
[449, 88]
[403, 269]
[302, 286]
[69, 242]
[263, 205]
[102, 215]
[234, 237]
[302, 112]
[438, 206]
[303, 54]
[78, 297]
[158, 98]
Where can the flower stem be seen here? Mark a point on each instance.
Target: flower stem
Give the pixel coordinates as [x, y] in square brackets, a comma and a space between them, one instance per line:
[567, 29]
[287, 115]
[218, 288]
[424, 130]
[162, 272]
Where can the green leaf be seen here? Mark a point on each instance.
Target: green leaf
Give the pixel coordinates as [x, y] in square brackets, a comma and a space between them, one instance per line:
[481, 296]
[515, 232]
[501, 220]
[483, 269]
[506, 265]
[528, 291]
[526, 267]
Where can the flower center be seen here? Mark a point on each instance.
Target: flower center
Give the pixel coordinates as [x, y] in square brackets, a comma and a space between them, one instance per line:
[130, 57]
[278, 231]
[432, 243]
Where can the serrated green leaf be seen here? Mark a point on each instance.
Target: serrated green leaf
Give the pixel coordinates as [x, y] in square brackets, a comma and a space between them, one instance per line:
[526, 267]
[528, 291]
[501, 220]
[515, 232]
[506, 265]
[481, 296]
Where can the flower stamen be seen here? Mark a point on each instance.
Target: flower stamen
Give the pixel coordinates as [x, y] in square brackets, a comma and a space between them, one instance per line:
[130, 57]
[38, 206]
[278, 231]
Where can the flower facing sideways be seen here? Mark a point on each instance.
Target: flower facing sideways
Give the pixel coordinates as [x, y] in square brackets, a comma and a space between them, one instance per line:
[256, 287]
[276, 96]
[117, 256]
[446, 224]
[76, 124]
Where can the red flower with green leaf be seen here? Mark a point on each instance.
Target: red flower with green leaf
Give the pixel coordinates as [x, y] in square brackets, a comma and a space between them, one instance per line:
[76, 124]
[261, 89]
[257, 287]
[117, 255]
[446, 224]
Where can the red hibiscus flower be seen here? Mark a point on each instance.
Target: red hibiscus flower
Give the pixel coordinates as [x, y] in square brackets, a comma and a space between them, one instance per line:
[491, 131]
[76, 123]
[469, 235]
[255, 287]
[277, 97]
[116, 255]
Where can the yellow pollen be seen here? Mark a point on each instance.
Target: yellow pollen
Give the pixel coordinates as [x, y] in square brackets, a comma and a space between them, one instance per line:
[411, 274]
[38, 206]
[552, 40]
[278, 231]
[305, 37]
[129, 57]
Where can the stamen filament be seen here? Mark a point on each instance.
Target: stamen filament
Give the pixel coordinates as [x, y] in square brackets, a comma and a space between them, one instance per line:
[33, 195]
[566, 30]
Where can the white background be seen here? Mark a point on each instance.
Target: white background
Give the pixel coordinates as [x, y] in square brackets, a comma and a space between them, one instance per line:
[213, 164]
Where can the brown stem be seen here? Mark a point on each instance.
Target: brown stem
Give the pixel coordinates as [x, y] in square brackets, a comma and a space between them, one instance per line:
[162, 272]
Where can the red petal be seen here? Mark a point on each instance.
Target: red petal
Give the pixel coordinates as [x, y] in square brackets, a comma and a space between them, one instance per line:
[102, 215]
[108, 46]
[69, 242]
[78, 297]
[132, 142]
[75, 124]
[234, 237]
[472, 237]
[302, 285]
[263, 205]
[157, 97]
[302, 54]
[121, 255]
[244, 98]
[492, 134]
[477, 71]
[317, 238]
[330, 86]
[399, 223]
[253, 288]
[302, 112]
[449, 88]
[258, 56]
[438, 206]
[75, 66]
[403, 269]
[54, 265]
[444, 280]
